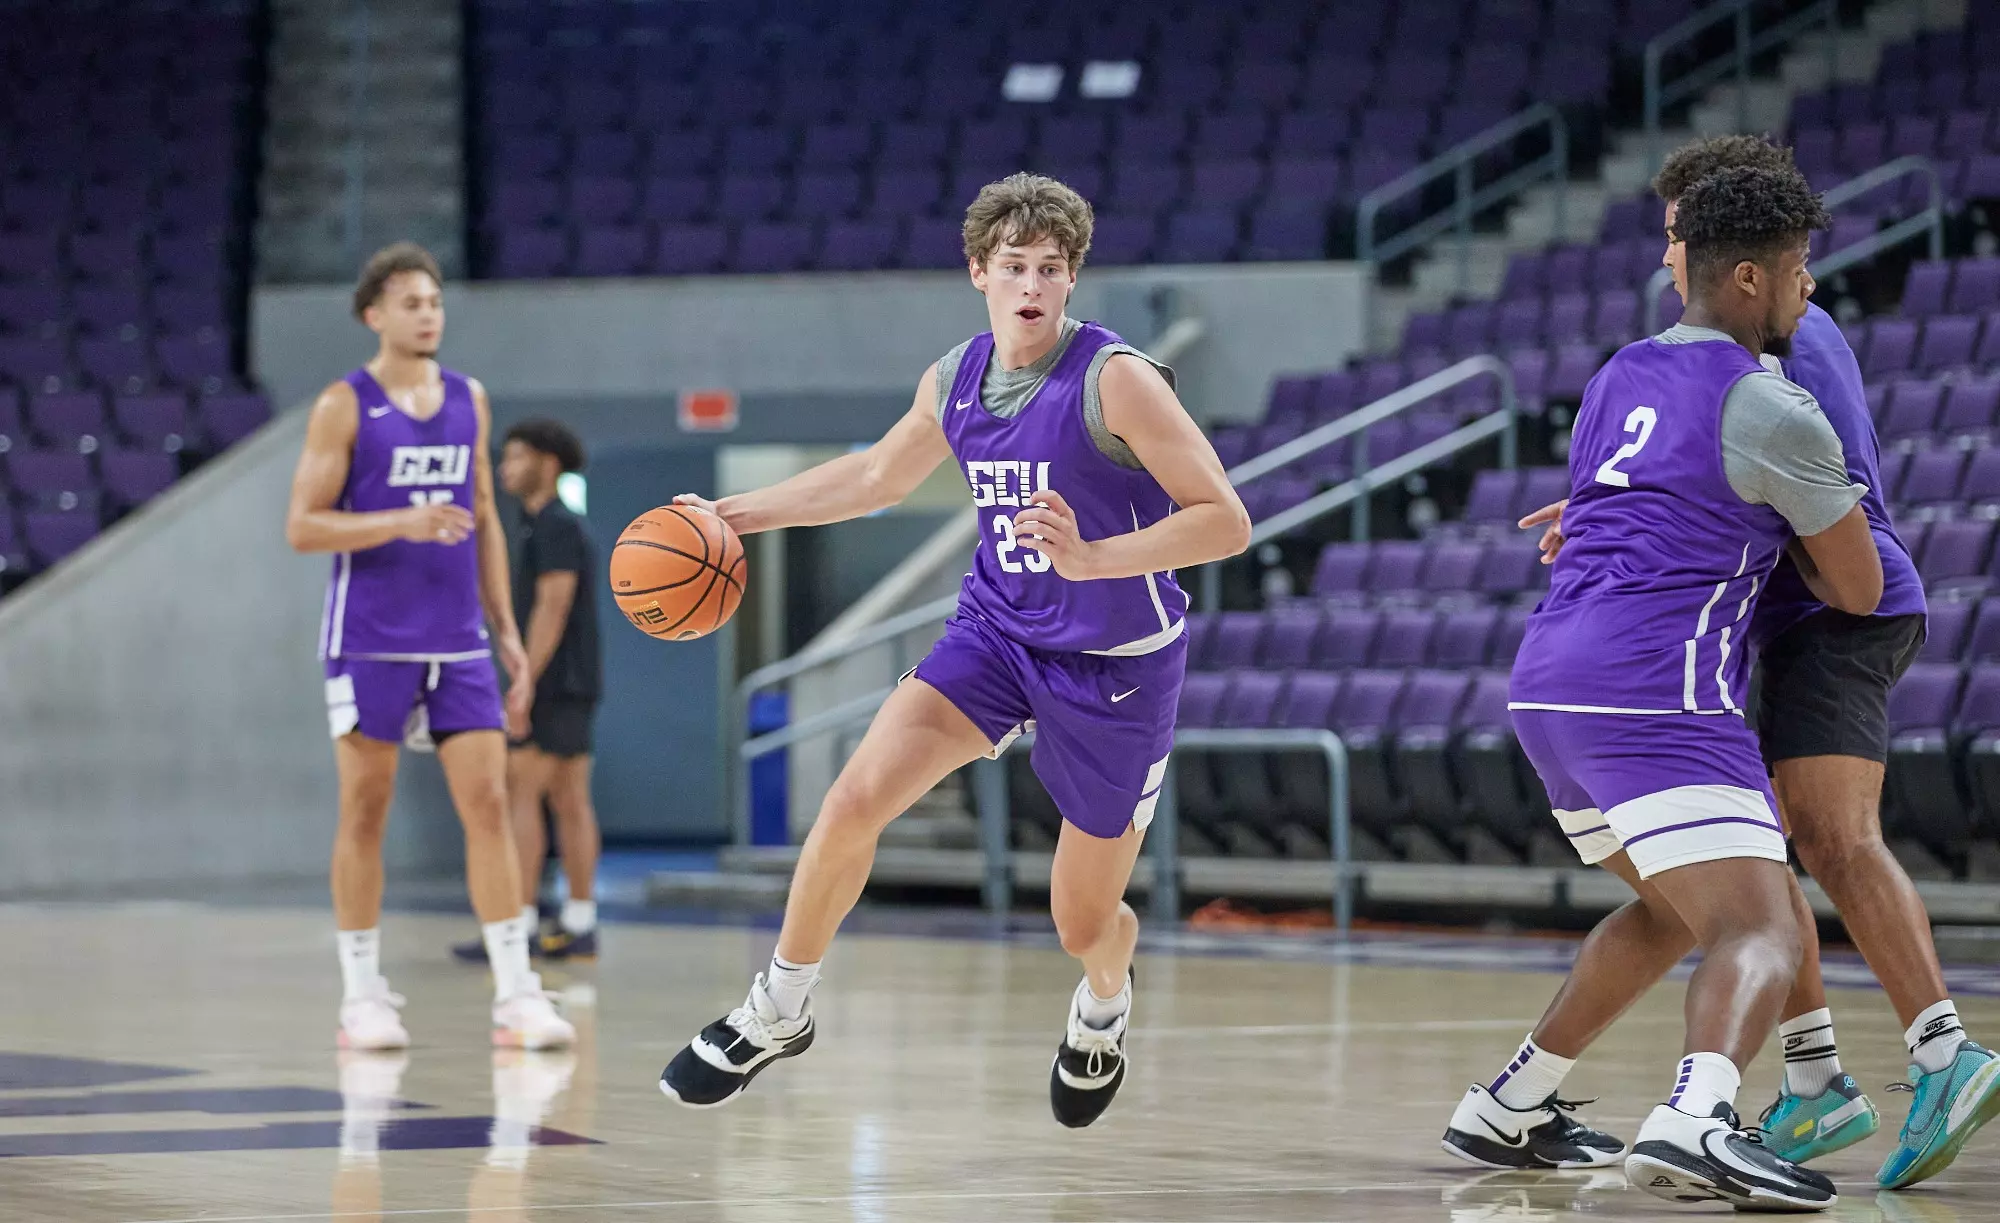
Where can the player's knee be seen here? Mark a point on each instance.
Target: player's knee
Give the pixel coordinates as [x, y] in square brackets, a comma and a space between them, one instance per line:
[364, 807]
[482, 809]
[853, 807]
[1083, 927]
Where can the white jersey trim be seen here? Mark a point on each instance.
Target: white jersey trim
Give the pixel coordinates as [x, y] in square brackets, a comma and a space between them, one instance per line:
[1145, 645]
[337, 617]
[464, 656]
[1701, 630]
[1648, 713]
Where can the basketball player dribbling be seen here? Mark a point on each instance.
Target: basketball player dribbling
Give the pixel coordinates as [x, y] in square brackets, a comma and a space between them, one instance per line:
[1092, 486]
[1692, 468]
[1821, 712]
[396, 482]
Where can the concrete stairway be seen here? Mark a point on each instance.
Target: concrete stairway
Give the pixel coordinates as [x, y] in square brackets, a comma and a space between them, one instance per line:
[364, 141]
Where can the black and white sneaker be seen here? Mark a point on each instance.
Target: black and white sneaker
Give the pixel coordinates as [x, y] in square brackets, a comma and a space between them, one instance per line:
[1090, 1064]
[718, 1064]
[1486, 1132]
[1713, 1159]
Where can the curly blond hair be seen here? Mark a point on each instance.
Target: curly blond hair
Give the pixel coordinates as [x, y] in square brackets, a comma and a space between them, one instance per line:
[1024, 208]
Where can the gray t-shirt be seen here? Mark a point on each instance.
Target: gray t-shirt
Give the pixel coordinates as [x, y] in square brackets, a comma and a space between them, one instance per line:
[1778, 448]
[1006, 392]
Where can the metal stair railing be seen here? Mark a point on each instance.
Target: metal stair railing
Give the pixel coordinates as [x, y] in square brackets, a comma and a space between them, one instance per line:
[1930, 219]
[1746, 45]
[1468, 200]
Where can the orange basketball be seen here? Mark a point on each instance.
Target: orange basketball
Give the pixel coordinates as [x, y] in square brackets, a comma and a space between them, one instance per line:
[677, 572]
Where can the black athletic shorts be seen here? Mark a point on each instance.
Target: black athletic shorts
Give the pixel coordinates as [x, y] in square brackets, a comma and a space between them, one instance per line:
[1823, 685]
[560, 727]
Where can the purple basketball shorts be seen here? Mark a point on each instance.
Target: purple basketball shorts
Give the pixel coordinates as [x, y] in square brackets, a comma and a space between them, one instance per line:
[411, 702]
[1103, 725]
[1669, 789]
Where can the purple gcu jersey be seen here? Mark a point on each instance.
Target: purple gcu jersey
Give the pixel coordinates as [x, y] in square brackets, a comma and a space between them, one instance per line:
[1047, 445]
[1662, 561]
[404, 601]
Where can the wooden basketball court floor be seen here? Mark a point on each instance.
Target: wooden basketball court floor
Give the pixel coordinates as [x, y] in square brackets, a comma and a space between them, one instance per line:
[175, 1062]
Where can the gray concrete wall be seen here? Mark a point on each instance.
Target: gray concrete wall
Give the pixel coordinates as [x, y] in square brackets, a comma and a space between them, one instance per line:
[162, 719]
[818, 334]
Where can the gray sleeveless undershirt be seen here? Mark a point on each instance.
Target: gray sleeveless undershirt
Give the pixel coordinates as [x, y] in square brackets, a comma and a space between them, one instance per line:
[1005, 392]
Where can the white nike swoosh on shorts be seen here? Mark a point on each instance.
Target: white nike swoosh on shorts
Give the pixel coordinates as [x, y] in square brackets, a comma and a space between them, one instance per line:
[1121, 696]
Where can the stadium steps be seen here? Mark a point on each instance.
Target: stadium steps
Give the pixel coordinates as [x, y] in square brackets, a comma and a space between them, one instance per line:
[363, 96]
[1627, 167]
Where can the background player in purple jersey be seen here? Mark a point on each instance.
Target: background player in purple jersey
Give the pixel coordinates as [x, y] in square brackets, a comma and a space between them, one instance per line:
[1092, 486]
[1691, 467]
[1821, 705]
[396, 483]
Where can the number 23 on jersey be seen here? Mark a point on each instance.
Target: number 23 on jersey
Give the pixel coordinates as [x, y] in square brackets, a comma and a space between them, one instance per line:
[1009, 482]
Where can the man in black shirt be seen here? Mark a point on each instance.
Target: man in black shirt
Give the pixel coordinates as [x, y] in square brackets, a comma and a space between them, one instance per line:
[555, 580]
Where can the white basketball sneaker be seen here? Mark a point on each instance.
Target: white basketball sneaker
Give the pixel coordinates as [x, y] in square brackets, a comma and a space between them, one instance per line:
[529, 1020]
[372, 1022]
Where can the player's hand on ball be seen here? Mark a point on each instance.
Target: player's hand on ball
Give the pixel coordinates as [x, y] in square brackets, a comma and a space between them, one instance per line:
[437, 523]
[1048, 526]
[698, 502]
[1550, 517]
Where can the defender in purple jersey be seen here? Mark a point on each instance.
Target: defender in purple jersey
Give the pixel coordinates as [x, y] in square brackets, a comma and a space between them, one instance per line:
[1091, 485]
[396, 483]
[1820, 704]
[1629, 690]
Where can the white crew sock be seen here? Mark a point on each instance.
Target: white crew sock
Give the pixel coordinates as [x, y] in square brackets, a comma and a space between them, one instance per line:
[1812, 1062]
[1935, 1037]
[1706, 1080]
[1531, 1077]
[507, 955]
[790, 985]
[531, 915]
[360, 962]
[1101, 1013]
[579, 916]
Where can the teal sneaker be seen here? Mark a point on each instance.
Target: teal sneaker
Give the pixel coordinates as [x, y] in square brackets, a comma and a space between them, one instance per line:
[1802, 1130]
[1950, 1107]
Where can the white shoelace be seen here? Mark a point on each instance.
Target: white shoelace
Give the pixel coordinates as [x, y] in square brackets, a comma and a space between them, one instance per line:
[757, 1019]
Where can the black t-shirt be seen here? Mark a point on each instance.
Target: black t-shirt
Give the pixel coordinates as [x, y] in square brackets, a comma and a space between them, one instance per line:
[554, 541]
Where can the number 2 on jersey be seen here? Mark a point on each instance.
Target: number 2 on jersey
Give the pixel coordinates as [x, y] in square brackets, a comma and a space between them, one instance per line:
[1641, 421]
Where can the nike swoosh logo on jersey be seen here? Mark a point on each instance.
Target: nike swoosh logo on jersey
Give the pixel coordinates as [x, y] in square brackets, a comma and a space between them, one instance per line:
[963, 404]
[373, 413]
[1518, 1138]
[1121, 696]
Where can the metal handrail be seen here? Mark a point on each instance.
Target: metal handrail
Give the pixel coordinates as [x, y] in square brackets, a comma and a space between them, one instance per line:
[989, 785]
[1835, 262]
[1503, 424]
[1747, 46]
[1467, 202]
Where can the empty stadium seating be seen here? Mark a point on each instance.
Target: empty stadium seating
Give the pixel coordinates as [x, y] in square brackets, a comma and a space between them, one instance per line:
[616, 139]
[125, 175]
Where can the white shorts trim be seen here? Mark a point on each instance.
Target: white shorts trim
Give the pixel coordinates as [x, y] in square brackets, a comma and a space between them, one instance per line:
[1690, 824]
[1589, 834]
[343, 716]
[1618, 709]
[1147, 645]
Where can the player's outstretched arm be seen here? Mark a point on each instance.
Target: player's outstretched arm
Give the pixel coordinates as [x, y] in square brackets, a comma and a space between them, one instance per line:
[1211, 523]
[850, 486]
[311, 522]
[1841, 565]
